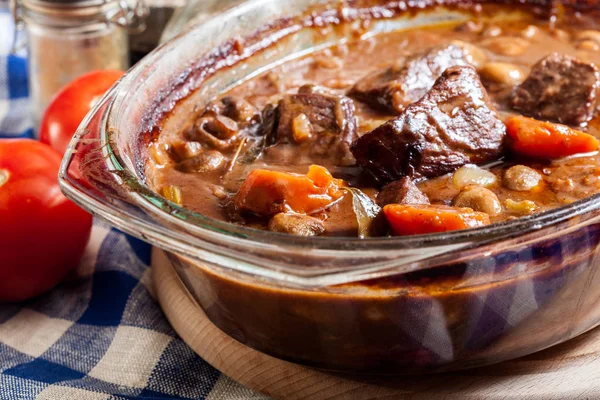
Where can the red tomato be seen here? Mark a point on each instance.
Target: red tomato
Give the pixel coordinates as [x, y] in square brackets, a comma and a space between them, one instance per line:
[42, 234]
[69, 106]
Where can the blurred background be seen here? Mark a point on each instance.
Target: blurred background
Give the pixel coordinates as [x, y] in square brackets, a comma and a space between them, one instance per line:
[48, 43]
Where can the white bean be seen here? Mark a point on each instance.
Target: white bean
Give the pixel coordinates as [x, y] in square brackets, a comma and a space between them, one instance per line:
[521, 178]
[507, 45]
[499, 72]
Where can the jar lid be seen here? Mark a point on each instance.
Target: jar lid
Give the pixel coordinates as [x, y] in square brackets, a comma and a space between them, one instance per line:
[68, 13]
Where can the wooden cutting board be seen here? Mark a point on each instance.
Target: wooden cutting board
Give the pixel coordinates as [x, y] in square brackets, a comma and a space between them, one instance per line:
[567, 371]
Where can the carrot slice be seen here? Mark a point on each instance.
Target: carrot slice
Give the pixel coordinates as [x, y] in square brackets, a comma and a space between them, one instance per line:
[270, 192]
[540, 139]
[421, 219]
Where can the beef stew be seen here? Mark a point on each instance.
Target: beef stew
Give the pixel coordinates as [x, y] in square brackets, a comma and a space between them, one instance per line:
[471, 117]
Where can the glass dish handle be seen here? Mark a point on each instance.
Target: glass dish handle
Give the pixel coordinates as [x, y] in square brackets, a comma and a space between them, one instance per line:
[85, 177]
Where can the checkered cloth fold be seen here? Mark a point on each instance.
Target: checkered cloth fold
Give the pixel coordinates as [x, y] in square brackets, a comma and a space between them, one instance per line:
[101, 334]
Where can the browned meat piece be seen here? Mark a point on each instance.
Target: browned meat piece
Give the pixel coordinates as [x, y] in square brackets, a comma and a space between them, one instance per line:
[296, 224]
[319, 121]
[452, 125]
[403, 191]
[238, 110]
[220, 132]
[270, 120]
[221, 126]
[559, 88]
[402, 84]
[208, 161]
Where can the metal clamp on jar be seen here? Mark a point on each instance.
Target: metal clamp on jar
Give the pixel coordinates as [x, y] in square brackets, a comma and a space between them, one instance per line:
[67, 38]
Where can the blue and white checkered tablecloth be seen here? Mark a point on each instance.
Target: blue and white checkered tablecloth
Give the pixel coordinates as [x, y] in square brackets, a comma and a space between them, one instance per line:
[101, 334]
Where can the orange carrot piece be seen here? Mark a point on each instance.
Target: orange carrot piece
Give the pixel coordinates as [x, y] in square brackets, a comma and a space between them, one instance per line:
[540, 139]
[270, 192]
[421, 219]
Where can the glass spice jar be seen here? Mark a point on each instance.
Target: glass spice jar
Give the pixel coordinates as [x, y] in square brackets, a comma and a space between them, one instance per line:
[67, 38]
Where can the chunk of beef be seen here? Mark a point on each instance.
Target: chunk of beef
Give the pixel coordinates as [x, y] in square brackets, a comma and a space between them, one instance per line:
[320, 122]
[220, 133]
[296, 224]
[452, 125]
[559, 88]
[205, 162]
[222, 125]
[403, 191]
[405, 83]
[239, 110]
[270, 120]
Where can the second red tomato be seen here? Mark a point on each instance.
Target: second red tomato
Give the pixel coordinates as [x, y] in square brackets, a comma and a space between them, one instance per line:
[68, 108]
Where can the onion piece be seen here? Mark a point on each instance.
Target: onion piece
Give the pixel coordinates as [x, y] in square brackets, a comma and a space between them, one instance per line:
[470, 174]
[365, 209]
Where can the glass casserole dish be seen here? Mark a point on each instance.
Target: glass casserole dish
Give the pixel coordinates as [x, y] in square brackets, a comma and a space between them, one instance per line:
[378, 305]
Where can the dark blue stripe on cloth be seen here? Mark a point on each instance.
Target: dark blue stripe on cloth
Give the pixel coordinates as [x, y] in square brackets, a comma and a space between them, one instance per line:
[17, 71]
[10, 358]
[28, 134]
[140, 248]
[44, 371]
[150, 394]
[112, 286]
[112, 390]
[110, 292]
